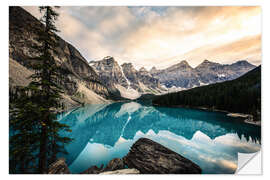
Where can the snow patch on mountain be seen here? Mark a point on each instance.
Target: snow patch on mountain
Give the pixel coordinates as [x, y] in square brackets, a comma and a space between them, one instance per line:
[174, 89]
[128, 82]
[203, 84]
[221, 75]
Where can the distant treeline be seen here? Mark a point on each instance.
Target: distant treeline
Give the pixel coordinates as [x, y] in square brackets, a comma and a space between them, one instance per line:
[242, 95]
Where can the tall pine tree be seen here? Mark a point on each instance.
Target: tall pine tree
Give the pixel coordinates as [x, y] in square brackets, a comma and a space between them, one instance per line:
[43, 98]
[24, 131]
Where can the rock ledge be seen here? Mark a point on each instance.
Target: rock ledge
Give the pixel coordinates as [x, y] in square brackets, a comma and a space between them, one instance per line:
[150, 157]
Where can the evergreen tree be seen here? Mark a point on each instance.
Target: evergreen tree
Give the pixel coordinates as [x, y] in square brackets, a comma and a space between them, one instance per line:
[43, 98]
[24, 131]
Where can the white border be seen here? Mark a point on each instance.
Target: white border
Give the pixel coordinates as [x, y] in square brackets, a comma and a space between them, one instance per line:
[265, 75]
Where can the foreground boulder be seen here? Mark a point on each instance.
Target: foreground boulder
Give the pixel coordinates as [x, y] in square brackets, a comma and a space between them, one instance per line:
[59, 167]
[150, 157]
[115, 164]
[93, 170]
[144, 157]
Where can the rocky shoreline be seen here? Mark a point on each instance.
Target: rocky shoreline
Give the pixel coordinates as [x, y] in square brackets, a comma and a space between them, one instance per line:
[144, 157]
[247, 118]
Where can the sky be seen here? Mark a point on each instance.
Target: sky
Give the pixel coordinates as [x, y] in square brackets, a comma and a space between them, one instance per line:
[162, 36]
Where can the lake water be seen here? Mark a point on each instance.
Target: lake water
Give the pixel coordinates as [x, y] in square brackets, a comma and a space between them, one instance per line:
[106, 131]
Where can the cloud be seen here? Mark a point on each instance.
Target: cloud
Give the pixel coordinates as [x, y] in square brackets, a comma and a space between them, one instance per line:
[182, 31]
[246, 48]
[162, 35]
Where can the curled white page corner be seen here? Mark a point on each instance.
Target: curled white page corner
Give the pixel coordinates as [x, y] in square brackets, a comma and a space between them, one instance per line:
[249, 163]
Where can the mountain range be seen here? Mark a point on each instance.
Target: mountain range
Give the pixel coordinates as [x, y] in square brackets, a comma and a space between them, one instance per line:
[132, 83]
[125, 78]
[105, 80]
[241, 95]
[182, 75]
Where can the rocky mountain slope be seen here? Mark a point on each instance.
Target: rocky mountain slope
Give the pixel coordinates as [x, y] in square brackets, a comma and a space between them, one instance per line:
[182, 75]
[132, 83]
[81, 83]
[105, 80]
[125, 78]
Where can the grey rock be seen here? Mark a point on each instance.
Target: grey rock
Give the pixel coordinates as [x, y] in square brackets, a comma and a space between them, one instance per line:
[59, 167]
[131, 74]
[179, 75]
[150, 157]
[137, 78]
[146, 78]
[93, 170]
[154, 70]
[210, 72]
[115, 164]
[184, 76]
[111, 74]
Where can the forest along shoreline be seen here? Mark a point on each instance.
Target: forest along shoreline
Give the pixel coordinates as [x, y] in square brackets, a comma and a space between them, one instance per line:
[241, 117]
[239, 98]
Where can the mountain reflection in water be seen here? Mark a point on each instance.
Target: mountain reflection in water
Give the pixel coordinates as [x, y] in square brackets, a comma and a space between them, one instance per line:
[106, 131]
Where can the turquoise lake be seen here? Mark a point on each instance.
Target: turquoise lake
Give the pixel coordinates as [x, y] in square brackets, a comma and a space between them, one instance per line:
[106, 131]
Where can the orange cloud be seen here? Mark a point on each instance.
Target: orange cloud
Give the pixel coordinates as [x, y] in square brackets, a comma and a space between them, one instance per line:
[144, 36]
[247, 48]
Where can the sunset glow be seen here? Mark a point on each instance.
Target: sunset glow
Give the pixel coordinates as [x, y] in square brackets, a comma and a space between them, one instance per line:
[163, 36]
